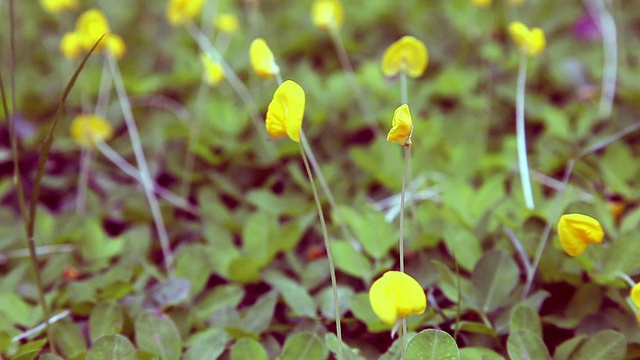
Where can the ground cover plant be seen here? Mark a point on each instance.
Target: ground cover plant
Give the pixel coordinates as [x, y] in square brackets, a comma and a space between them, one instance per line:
[315, 179]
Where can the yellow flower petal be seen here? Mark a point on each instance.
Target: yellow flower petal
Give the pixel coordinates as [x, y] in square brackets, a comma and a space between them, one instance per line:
[635, 294]
[408, 55]
[575, 231]
[179, 12]
[71, 45]
[396, 295]
[227, 23]
[286, 110]
[213, 71]
[90, 26]
[262, 60]
[531, 42]
[401, 126]
[87, 129]
[57, 6]
[327, 14]
[482, 3]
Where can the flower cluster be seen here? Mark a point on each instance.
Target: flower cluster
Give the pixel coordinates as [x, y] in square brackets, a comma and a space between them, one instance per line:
[576, 231]
[90, 26]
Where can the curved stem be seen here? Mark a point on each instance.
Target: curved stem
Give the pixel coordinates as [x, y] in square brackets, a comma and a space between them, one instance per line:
[327, 245]
[145, 177]
[523, 162]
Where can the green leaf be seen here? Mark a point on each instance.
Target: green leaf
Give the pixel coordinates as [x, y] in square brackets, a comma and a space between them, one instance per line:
[221, 297]
[348, 260]
[296, 297]
[564, 350]
[105, 319]
[464, 245]
[30, 350]
[348, 353]
[476, 328]
[304, 345]
[50, 356]
[432, 344]
[157, 334]
[370, 228]
[527, 318]
[112, 347]
[605, 345]
[526, 345]
[68, 338]
[448, 282]
[194, 264]
[258, 317]
[621, 256]
[16, 310]
[495, 276]
[208, 344]
[475, 353]
[248, 349]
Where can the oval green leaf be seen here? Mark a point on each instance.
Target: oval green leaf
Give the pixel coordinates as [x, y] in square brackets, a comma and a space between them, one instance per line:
[157, 334]
[526, 345]
[494, 278]
[304, 345]
[105, 319]
[248, 349]
[112, 347]
[605, 345]
[432, 344]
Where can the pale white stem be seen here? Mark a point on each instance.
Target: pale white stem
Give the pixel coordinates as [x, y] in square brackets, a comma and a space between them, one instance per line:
[523, 161]
[41, 326]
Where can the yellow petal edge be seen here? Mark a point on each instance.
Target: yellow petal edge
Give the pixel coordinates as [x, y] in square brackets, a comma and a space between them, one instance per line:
[396, 295]
[286, 111]
[576, 231]
[401, 126]
[408, 55]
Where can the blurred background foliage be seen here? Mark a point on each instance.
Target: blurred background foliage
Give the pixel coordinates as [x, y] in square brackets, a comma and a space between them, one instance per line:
[251, 277]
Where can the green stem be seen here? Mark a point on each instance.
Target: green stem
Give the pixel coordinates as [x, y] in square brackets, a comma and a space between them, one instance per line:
[145, 177]
[83, 181]
[403, 336]
[351, 78]
[407, 152]
[327, 245]
[626, 279]
[523, 162]
[404, 88]
[192, 142]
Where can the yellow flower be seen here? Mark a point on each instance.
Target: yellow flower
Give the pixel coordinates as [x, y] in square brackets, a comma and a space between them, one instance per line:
[401, 126]
[213, 71]
[635, 297]
[90, 26]
[179, 12]
[407, 55]
[396, 295]
[57, 6]
[482, 3]
[576, 231]
[116, 45]
[71, 45]
[327, 14]
[227, 23]
[531, 42]
[87, 129]
[285, 112]
[262, 60]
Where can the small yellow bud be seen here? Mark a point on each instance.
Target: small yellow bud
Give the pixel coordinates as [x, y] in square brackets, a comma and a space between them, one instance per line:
[91, 25]
[179, 12]
[396, 295]
[213, 71]
[58, 6]
[87, 129]
[327, 14]
[115, 45]
[407, 55]
[71, 45]
[227, 23]
[286, 110]
[262, 59]
[531, 42]
[576, 231]
[401, 126]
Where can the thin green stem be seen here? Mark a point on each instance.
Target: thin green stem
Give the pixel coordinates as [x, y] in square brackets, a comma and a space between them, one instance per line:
[351, 78]
[132, 171]
[523, 162]
[145, 177]
[403, 336]
[404, 88]
[192, 142]
[407, 151]
[626, 279]
[83, 180]
[459, 304]
[237, 85]
[327, 245]
[607, 24]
